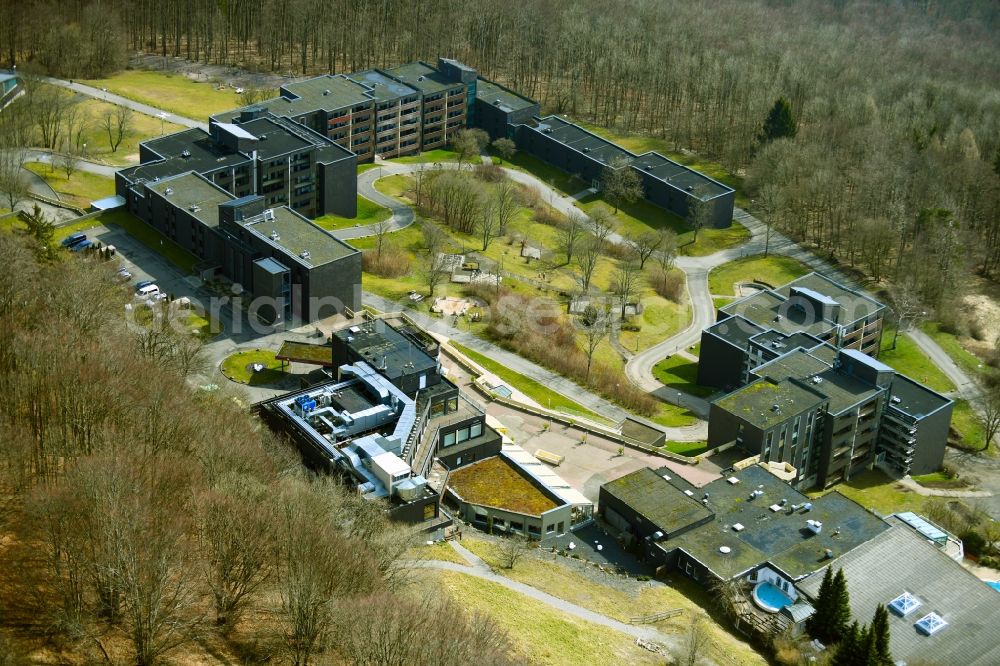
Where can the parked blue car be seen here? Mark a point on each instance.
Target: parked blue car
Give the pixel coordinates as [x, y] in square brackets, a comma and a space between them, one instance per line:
[73, 239]
[82, 245]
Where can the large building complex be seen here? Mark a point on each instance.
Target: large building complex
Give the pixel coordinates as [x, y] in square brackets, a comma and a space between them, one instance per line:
[771, 546]
[666, 183]
[808, 394]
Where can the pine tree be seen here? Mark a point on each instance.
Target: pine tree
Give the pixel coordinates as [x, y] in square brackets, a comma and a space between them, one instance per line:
[840, 610]
[878, 652]
[851, 649]
[833, 608]
[816, 625]
[779, 124]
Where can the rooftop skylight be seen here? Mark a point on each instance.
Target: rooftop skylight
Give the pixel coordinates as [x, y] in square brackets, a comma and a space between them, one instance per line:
[904, 604]
[930, 624]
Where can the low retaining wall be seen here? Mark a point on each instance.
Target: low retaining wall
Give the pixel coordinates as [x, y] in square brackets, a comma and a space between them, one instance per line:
[575, 422]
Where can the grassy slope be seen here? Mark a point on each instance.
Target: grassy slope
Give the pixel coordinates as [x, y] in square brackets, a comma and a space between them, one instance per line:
[561, 579]
[773, 270]
[908, 359]
[875, 490]
[79, 189]
[171, 92]
[235, 367]
[535, 390]
[680, 374]
[369, 212]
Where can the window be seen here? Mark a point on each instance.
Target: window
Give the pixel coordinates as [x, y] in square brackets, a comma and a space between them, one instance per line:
[550, 529]
[449, 439]
[930, 624]
[516, 526]
[475, 430]
[461, 435]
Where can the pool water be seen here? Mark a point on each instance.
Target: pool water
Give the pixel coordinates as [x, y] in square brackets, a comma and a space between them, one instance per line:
[995, 584]
[770, 598]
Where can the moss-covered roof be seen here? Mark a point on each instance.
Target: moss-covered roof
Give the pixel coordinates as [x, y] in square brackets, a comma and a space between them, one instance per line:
[497, 482]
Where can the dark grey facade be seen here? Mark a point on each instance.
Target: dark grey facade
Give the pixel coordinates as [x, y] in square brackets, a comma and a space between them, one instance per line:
[302, 272]
[832, 414]
[258, 153]
[806, 313]
[669, 185]
[10, 87]
[499, 110]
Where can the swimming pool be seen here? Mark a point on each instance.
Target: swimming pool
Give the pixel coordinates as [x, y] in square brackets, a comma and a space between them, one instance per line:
[770, 598]
[995, 584]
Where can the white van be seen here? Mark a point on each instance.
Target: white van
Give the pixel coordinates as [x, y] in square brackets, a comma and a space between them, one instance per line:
[150, 291]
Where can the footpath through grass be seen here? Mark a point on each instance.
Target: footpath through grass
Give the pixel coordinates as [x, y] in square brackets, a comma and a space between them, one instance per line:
[680, 374]
[174, 93]
[537, 391]
[369, 212]
[77, 190]
[774, 270]
[908, 359]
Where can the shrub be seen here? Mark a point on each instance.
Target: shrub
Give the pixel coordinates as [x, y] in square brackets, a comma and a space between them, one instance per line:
[550, 217]
[618, 251]
[393, 263]
[669, 284]
[490, 173]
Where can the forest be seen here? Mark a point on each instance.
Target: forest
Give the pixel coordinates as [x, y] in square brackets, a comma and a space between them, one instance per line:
[143, 519]
[896, 161]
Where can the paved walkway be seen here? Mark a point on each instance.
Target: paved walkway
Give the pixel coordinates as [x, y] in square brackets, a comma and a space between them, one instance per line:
[106, 96]
[909, 483]
[479, 569]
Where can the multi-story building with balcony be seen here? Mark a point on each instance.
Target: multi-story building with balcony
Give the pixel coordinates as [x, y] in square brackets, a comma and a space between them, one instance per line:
[807, 312]
[831, 414]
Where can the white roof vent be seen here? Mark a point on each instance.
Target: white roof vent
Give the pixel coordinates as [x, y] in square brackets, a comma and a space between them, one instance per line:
[738, 527]
[904, 604]
[275, 236]
[168, 191]
[689, 493]
[814, 526]
[725, 550]
[896, 400]
[185, 153]
[732, 480]
[817, 380]
[304, 254]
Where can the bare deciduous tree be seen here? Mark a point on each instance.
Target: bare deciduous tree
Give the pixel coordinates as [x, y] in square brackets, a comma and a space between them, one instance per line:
[571, 234]
[696, 639]
[625, 282]
[117, 122]
[504, 204]
[512, 550]
[621, 184]
[595, 324]
[505, 147]
[644, 244]
[434, 243]
[586, 259]
[13, 182]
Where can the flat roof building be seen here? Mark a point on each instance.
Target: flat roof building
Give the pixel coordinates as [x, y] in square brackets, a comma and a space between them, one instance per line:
[666, 183]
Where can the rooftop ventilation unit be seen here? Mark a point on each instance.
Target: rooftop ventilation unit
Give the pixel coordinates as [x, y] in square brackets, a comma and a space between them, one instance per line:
[817, 380]
[168, 191]
[194, 208]
[275, 236]
[420, 78]
[732, 480]
[814, 526]
[586, 150]
[725, 550]
[689, 188]
[896, 400]
[828, 553]
[325, 93]
[738, 527]
[304, 254]
[689, 493]
[185, 153]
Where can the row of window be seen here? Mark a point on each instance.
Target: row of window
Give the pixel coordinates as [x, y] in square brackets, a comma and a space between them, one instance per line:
[461, 435]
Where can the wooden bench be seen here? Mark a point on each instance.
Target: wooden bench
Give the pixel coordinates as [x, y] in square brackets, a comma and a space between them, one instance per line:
[553, 459]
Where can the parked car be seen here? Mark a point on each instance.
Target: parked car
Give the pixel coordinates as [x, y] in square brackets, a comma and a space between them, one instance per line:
[82, 245]
[73, 239]
[124, 273]
[150, 291]
[142, 284]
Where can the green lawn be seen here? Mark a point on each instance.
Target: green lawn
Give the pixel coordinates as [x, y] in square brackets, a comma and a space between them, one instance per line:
[395, 186]
[640, 144]
[141, 128]
[557, 178]
[774, 270]
[939, 480]
[430, 156]
[79, 189]
[680, 374]
[660, 319]
[235, 367]
[674, 416]
[875, 490]
[368, 166]
[150, 237]
[173, 93]
[962, 357]
[369, 212]
[689, 449]
[966, 423]
[908, 359]
[537, 391]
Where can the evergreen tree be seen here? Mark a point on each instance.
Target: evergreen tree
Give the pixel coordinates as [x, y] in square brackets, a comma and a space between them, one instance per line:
[779, 124]
[878, 637]
[833, 608]
[996, 162]
[840, 611]
[851, 649]
[816, 625]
